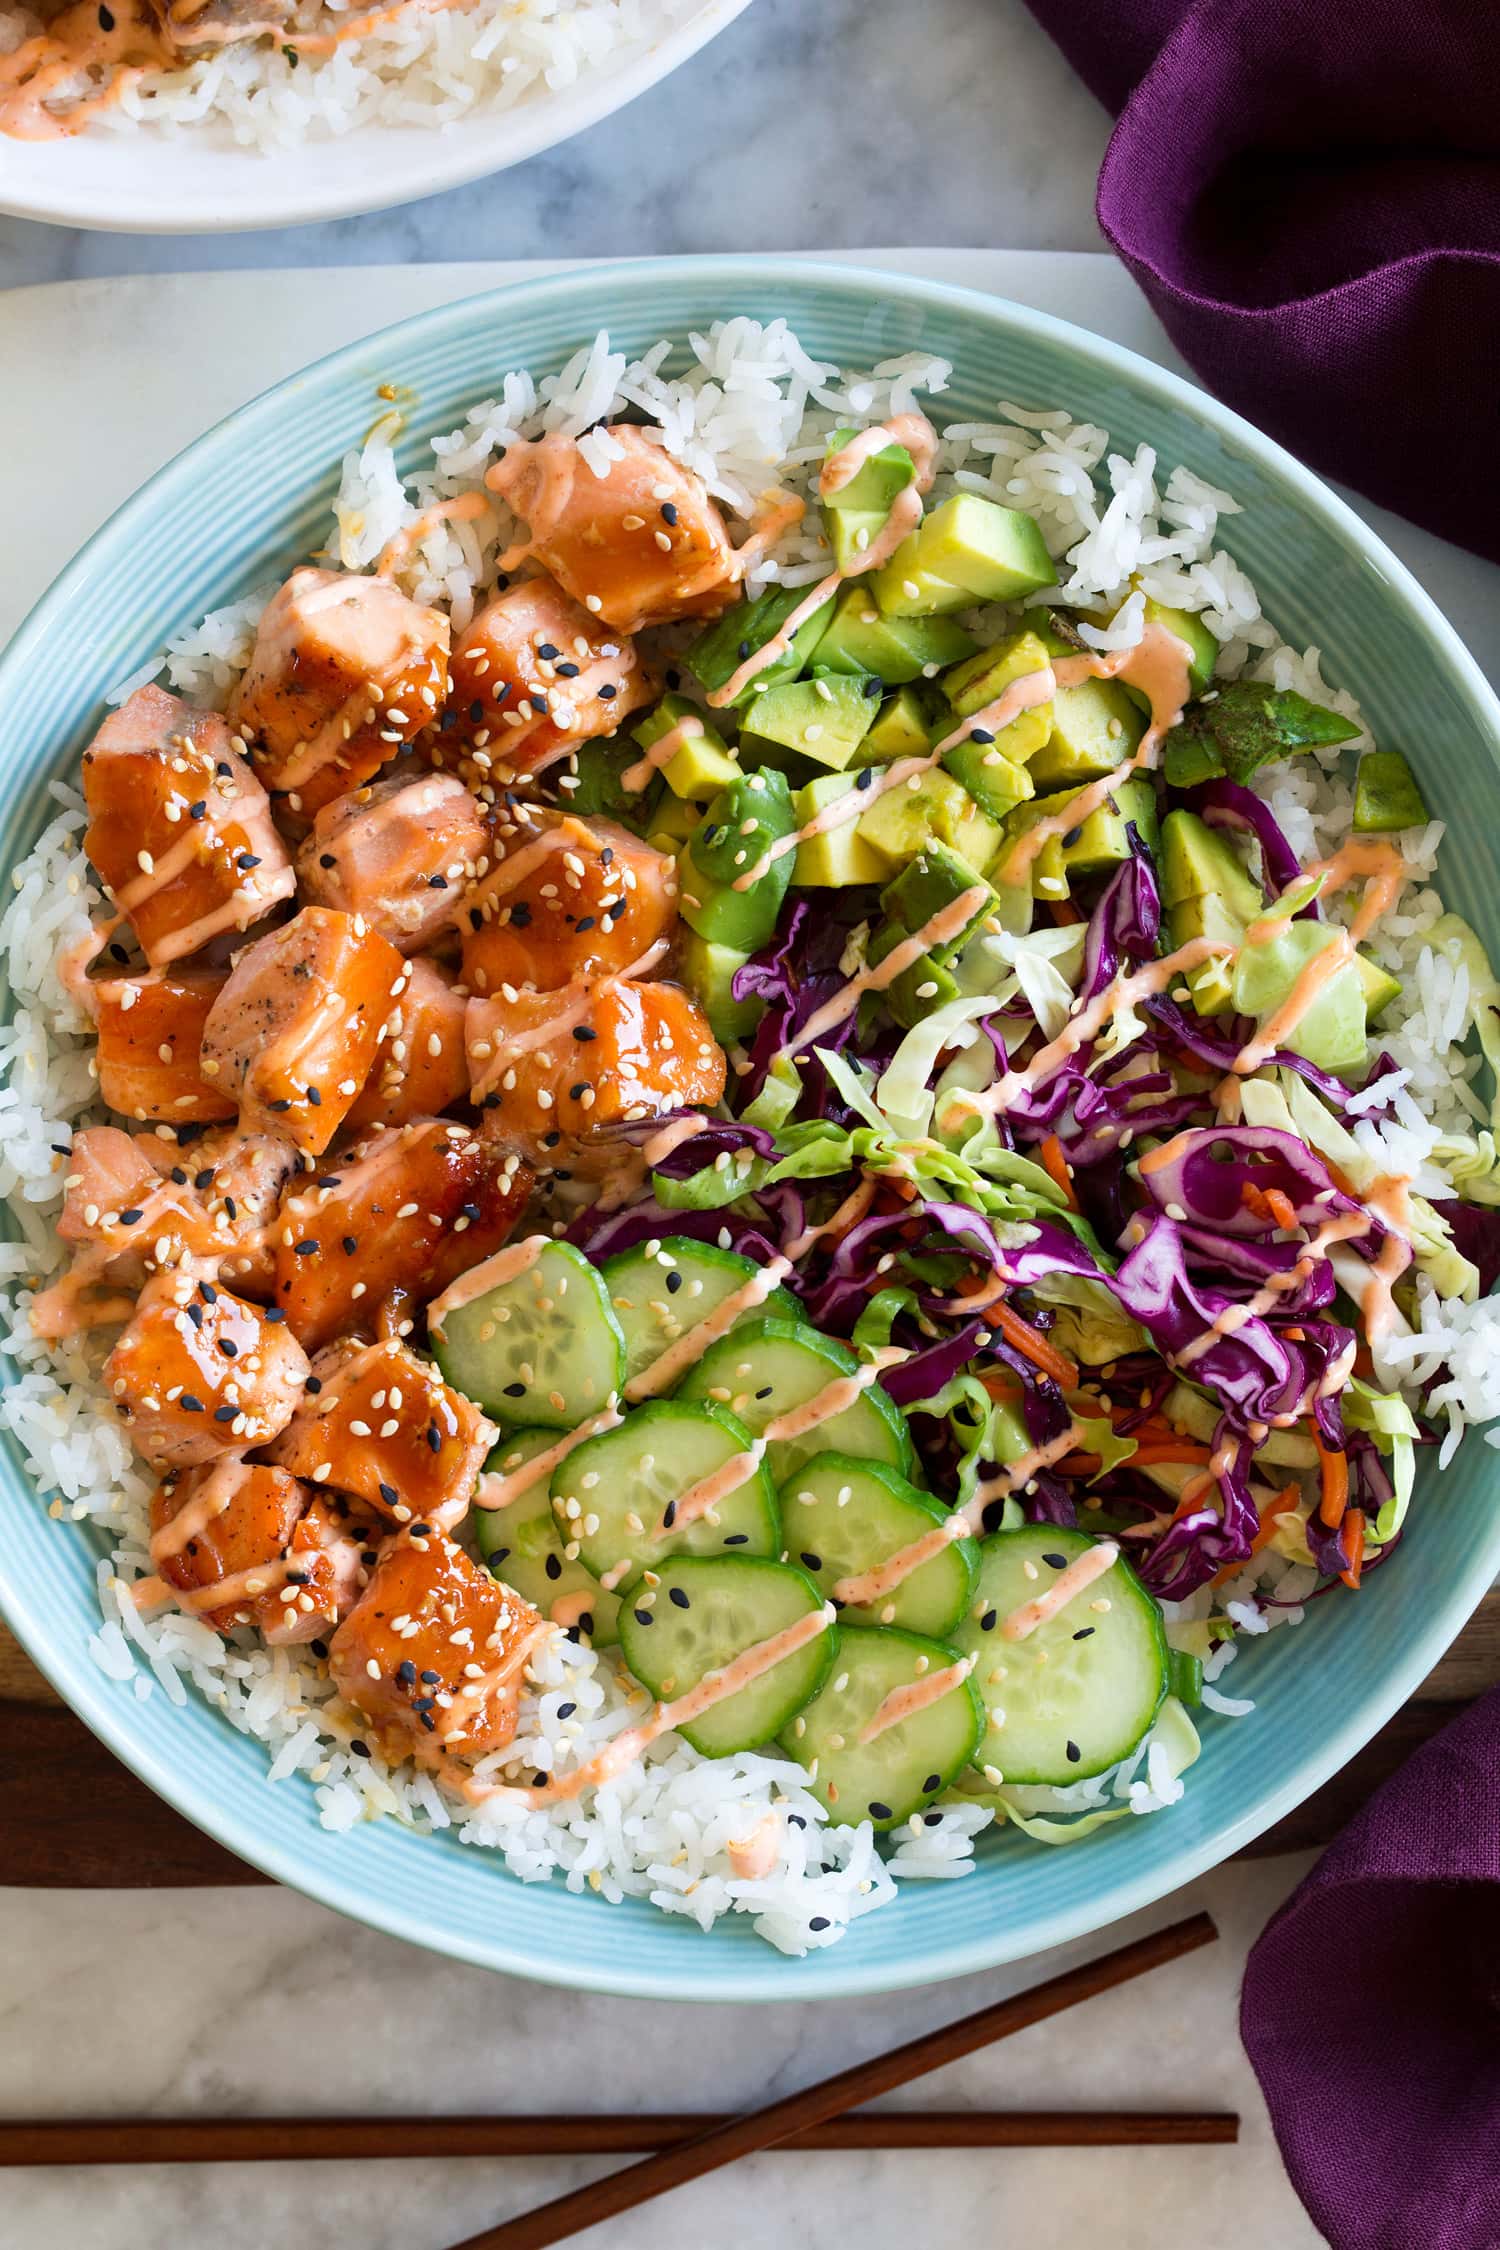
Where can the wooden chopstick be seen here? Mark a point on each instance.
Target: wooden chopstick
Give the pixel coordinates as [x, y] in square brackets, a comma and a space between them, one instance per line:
[816, 2105]
[303, 2140]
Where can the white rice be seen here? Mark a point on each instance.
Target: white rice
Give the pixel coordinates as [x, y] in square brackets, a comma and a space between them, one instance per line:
[753, 409]
[429, 65]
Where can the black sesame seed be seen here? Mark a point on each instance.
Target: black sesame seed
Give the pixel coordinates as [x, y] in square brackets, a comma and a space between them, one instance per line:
[641, 1616]
[766, 1392]
[586, 1622]
[437, 882]
[432, 1678]
[189, 1404]
[204, 1179]
[607, 694]
[1083, 1632]
[498, 1555]
[550, 1140]
[314, 1384]
[106, 20]
[326, 859]
[1056, 1562]
[1071, 837]
[198, 811]
[567, 671]
[874, 689]
[933, 1781]
[932, 1820]
[669, 1514]
[406, 1672]
[566, 1710]
[177, 1174]
[305, 1249]
[476, 711]
[360, 1749]
[427, 1719]
[819, 1921]
[980, 734]
[230, 1351]
[350, 1245]
[548, 652]
[515, 1390]
[674, 1283]
[246, 860]
[988, 1622]
[280, 1106]
[195, 1315]
[736, 1538]
[389, 1494]
[669, 511]
[434, 1438]
[586, 921]
[319, 1648]
[273, 1314]
[576, 1093]
[1074, 1753]
[208, 1293]
[878, 1811]
[299, 1577]
[315, 1097]
[130, 1218]
[676, 1595]
[583, 1031]
[811, 1562]
[744, 650]
[864, 777]
[231, 1208]
[553, 1566]
[225, 1413]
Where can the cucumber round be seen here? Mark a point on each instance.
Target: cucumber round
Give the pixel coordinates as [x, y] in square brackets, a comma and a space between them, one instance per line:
[766, 1368]
[661, 1289]
[542, 1350]
[697, 1614]
[909, 1763]
[521, 1544]
[841, 1517]
[1077, 1695]
[611, 1492]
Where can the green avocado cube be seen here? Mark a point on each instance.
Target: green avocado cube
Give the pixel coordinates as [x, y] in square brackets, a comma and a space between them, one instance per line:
[904, 821]
[983, 678]
[708, 971]
[824, 718]
[731, 840]
[1386, 796]
[904, 726]
[1099, 840]
[859, 638]
[1331, 1030]
[717, 655]
[990, 553]
[994, 781]
[672, 822]
[838, 857]
[592, 784]
[1202, 648]
[1045, 625]
[1095, 727]
[1208, 915]
[1196, 861]
[935, 879]
[704, 764]
[856, 514]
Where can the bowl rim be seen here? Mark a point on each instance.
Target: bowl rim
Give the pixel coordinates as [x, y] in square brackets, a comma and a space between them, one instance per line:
[415, 161]
[837, 1971]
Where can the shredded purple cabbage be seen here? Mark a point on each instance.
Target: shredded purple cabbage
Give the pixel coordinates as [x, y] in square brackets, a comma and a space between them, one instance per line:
[1126, 922]
[1229, 804]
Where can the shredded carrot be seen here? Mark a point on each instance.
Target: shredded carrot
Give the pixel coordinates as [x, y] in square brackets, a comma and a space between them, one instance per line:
[1153, 1451]
[1051, 1153]
[1352, 1548]
[1024, 1338]
[1283, 1210]
[1265, 1531]
[1065, 913]
[1255, 1200]
[1335, 1467]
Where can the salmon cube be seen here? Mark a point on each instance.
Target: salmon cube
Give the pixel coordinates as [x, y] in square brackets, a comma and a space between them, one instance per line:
[245, 1544]
[381, 1423]
[296, 1027]
[566, 898]
[401, 852]
[179, 828]
[399, 1218]
[420, 1068]
[346, 671]
[650, 1052]
[535, 675]
[150, 1032]
[638, 546]
[199, 1372]
[434, 1653]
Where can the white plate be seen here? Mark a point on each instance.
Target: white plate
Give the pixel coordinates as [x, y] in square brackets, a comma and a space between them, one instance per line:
[199, 182]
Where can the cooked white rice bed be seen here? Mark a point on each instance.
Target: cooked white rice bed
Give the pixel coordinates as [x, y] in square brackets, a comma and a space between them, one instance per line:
[753, 406]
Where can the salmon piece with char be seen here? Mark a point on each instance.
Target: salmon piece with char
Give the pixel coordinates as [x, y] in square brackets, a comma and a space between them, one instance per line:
[533, 676]
[381, 1423]
[420, 1067]
[401, 852]
[199, 1371]
[275, 1556]
[434, 1653]
[346, 671]
[296, 1027]
[179, 828]
[150, 1032]
[565, 898]
[638, 546]
[399, 1217]
[645, 1049]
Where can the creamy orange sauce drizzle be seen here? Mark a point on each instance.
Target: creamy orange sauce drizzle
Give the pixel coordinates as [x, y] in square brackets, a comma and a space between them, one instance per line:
[752, 1858]
[505, 1265]
[1065, 1587]
[689, 728]
[465, 507]
[497, 1490]
[1339, 1228]
[937, 930]
[1383, 871]
[571, 1005]
[631, 1164]
[906, 1702]
[680, 1355]
[54, 84]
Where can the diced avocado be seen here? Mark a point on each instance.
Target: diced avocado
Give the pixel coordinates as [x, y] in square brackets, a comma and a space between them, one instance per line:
[968, 550]
[1188, 762]
[932, 881]
[984, 677]
[1208, 914]
[1047, 625]
[1095, 727]
[824, 718]
[857, 512]
[704, 764]
[717, 655]
[598, 767]
[1196, 861]
[1386, 796]
[708, 972]
[672, 822]
[1098, 841]
[839, 856]
[743, 821]
[994, 782]
[905, 821]
[859, 638]
[904, 727]
[1380, 988]
[1244, 726]
[1331, 1029]
[1202, 648]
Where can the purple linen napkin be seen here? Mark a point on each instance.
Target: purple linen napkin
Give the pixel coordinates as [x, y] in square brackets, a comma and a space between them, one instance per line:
[1308, 191]
[1371, 2009]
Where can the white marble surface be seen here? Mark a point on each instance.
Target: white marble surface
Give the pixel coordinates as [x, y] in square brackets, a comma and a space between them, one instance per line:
[806, 122]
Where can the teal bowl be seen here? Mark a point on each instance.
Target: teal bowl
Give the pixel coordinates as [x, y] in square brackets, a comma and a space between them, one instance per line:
[252, 497]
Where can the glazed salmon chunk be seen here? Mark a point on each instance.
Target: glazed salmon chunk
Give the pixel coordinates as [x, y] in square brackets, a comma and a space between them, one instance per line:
[244, 1544]
[401, 852]
[381, 1423]
[346, 670]
[150, 1033]
[433, 1655]
[533, 676]
[398, 1219]
[420, 1067]
[553, 1069]
[199, 1372]
[565, 898]
[639, 545]
[295, 1030]
[179, 828]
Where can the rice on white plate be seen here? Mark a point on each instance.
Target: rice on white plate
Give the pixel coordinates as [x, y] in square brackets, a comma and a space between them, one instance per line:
[752, 409]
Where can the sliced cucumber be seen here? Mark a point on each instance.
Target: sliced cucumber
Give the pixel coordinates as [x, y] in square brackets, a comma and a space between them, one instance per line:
[612, 1492]
[661, 1290]
[768, 1368]
[698, 1615]
[542, 1349]
[1077, 1694]
[522, 1545]
[908, 1763]
[841, 1518]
